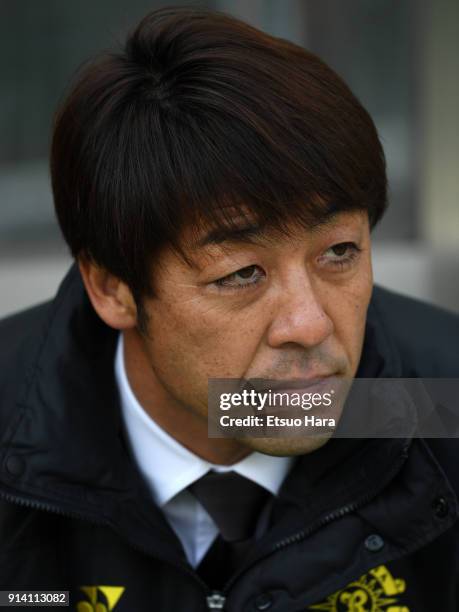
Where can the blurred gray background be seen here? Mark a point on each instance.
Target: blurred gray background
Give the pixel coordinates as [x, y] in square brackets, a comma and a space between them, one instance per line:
[400, 57]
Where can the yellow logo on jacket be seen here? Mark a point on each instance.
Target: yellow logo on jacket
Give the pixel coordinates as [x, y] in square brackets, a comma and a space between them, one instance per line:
[376, 591]
[101, 598]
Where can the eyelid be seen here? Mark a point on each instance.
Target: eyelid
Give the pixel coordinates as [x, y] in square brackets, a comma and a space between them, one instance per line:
[224, 284]
[348, 243]
[340, 261]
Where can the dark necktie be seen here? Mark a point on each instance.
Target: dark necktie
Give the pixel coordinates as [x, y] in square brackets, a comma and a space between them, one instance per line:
[235, 504]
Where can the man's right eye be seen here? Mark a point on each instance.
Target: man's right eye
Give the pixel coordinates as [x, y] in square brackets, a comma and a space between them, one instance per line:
[241, 279]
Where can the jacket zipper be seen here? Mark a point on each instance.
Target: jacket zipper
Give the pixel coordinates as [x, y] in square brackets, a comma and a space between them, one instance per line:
[216, 599]
[325, 520]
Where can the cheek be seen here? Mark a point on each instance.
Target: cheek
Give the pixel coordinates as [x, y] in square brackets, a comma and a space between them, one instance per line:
[347, 306]
[209, 341]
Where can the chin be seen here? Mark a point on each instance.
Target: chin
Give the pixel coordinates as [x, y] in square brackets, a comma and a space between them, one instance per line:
[286, 447]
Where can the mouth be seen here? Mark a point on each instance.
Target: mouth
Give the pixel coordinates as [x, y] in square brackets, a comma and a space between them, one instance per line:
[295, 385]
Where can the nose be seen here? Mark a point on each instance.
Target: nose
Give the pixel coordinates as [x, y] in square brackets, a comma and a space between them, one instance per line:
[299, 316]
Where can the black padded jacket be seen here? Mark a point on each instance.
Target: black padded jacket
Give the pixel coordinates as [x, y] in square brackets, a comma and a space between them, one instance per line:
[359, 525]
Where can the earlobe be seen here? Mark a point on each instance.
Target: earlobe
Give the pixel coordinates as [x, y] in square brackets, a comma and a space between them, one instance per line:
[109, 296]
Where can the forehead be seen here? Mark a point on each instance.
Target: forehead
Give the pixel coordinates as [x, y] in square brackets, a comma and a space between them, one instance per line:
[200, 244]
[247, 229]
[238, 226]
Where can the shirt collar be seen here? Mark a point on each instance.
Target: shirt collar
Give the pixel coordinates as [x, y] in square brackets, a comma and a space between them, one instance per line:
[166, 465]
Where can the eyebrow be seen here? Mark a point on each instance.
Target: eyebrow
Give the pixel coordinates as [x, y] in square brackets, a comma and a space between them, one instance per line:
[246, 234]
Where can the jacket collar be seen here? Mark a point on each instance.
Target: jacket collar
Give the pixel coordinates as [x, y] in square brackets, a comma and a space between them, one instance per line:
[67, 452]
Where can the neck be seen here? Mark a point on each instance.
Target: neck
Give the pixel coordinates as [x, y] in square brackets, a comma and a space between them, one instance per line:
[186, 425]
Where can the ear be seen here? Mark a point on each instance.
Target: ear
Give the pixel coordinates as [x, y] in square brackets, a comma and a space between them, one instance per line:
[110, 297]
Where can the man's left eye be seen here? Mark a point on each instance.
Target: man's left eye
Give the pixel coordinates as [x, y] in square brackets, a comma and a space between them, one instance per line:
[245, 277]
[341, 254]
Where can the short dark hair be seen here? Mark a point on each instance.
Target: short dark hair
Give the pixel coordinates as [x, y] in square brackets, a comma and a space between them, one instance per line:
[197, 113]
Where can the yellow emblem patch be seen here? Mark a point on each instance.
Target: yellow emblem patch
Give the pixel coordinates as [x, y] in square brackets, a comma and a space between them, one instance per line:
[373, 592]
[100, 598]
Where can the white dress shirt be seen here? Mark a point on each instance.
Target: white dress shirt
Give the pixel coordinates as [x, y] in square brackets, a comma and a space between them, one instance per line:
[169, 468]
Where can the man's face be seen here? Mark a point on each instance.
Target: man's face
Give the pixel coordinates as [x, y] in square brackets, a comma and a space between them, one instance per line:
[278, 307]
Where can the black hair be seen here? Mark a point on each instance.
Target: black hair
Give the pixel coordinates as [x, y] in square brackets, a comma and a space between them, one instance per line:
[198, 119]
